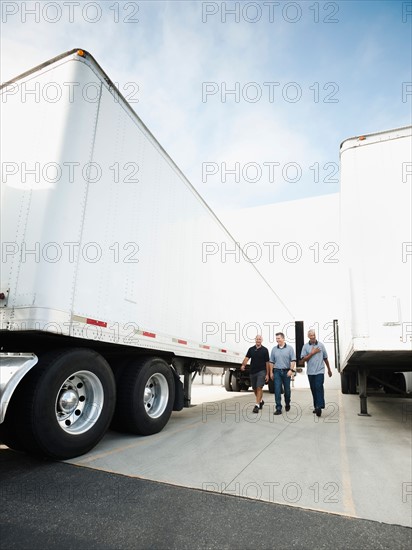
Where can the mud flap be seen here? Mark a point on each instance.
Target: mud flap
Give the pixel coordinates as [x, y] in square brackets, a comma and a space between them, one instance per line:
[179, 393]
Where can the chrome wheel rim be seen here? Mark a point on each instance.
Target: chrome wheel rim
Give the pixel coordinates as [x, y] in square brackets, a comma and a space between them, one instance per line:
[156, 395]
[79, 402]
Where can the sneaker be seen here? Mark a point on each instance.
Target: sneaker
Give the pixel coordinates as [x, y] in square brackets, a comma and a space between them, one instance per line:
[277, 412]
[318, 412]
[261, 404]
[256, 409]
[287, 408]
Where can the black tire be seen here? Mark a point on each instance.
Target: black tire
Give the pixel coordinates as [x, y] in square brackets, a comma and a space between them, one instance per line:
[63, 406]
[145, 396]
[228, 380]
[352, 382]
[344, 383]
[271, 386]
[235, 382]
[398, 380]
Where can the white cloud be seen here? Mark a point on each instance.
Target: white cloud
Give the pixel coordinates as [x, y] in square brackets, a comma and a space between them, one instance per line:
[170, 52]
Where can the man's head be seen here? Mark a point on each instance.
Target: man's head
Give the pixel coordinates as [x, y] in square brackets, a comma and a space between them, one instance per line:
[312, 336]
[280, 339]
[258, 340]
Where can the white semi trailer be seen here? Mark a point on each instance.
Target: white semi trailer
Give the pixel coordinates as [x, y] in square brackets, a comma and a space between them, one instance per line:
[107, 292]
[374, 335]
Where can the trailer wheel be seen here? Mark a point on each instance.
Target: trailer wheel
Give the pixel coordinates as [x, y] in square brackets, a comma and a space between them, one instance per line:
[228, 380]
[235, 382]
[352, 382]
[348, 382]
[145, 396]
[398, 380]
[344, 383]
[64, 405]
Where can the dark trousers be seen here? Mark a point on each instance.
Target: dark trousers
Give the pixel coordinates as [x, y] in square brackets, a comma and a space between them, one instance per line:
[280, 378]
[316, 387]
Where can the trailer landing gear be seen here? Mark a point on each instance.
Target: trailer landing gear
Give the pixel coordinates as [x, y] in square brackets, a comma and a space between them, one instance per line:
[363, 383]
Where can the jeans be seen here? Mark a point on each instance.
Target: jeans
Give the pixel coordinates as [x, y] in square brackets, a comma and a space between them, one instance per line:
[280, 377]
[316, 387]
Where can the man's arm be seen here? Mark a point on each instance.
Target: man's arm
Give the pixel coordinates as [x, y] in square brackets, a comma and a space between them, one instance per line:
[271, 364]
[328, 367]
[292, 369]
[313, 352]
[267, 366]
[244, 363]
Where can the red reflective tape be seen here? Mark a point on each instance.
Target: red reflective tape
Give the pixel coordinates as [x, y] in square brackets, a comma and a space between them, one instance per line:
[223, 350]
[150, 334]
[96, 322]
[181, 341]
[204, 347]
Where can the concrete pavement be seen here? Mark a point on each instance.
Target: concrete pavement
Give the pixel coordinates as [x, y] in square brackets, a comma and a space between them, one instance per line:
[340, 463]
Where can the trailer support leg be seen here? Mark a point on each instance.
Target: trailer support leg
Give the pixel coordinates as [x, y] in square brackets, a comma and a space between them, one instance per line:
[187, 386]
[363, 377]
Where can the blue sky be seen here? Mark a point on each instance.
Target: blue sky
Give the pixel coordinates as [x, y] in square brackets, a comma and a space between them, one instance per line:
[348, 74]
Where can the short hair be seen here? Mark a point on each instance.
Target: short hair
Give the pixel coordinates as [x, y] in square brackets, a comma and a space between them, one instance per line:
[280, 334]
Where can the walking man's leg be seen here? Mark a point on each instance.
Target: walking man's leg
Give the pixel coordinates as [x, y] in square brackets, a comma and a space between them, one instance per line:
[277, 379]
[286, 385]
[312, 385]
[320, 392]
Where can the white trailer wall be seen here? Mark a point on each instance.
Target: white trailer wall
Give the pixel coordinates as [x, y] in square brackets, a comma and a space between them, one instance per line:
[376, 198]
[123, 243]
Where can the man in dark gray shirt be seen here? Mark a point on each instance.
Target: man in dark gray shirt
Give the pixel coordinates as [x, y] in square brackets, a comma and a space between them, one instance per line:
[259, 369]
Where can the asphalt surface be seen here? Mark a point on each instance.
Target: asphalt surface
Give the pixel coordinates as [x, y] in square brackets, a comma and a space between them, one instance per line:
[48, 504]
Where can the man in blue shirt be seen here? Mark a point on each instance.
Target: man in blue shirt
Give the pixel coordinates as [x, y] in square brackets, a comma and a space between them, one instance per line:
[283, 360]
[316, 357]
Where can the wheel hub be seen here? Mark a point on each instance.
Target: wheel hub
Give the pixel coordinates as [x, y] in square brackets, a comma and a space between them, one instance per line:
[68, 401]
[148, 397]
[155, 396]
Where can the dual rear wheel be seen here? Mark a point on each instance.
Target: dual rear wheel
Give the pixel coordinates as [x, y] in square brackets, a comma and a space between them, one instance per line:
[232, 383]
[65, 404]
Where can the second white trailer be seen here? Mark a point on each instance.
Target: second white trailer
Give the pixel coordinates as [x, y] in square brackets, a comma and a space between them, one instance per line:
[375, 329]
